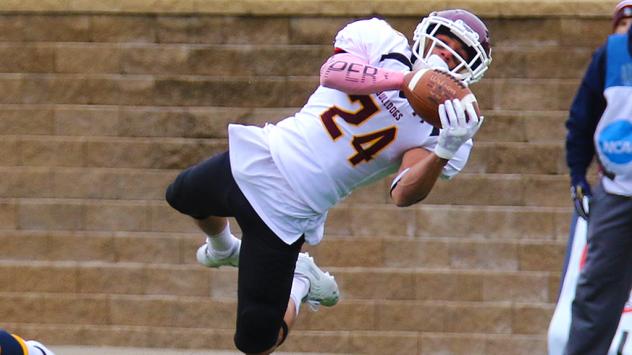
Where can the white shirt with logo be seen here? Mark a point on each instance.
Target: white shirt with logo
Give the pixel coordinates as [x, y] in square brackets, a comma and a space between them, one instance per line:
[613, 136]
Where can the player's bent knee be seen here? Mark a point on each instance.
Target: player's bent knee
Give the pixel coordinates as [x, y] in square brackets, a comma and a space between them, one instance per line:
[172, 195]
[257, 329]
[179, 196]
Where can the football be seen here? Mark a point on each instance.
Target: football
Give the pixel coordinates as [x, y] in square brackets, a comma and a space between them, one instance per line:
[426, 89]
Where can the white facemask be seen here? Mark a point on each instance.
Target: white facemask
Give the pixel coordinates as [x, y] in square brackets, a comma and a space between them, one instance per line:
[434, 62]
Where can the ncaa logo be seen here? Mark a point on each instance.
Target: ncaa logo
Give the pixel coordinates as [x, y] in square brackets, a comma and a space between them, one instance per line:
[615, 142]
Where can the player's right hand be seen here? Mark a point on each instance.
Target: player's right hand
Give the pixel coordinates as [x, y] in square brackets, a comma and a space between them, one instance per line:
[581, 194]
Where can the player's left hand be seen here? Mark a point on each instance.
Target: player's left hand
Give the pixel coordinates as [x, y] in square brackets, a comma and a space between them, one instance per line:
[459, 123]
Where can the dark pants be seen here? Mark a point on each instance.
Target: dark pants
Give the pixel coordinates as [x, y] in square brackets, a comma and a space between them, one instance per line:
[604, 283]
[266, 263]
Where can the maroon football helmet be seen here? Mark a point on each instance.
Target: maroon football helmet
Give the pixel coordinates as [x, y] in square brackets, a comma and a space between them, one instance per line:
[459, 24]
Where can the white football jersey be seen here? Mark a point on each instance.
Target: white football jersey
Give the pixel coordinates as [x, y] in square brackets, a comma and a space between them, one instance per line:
[338, 142]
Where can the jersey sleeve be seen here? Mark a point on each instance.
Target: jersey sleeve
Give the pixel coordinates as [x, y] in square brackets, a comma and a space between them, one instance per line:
[584, 115]
[369, 39]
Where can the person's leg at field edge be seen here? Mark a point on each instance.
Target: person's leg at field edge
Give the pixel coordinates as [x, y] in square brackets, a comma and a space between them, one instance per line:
[605, 281]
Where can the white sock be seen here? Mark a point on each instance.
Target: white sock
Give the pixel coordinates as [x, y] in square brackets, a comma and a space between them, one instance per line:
[300, 288]
[223, 242]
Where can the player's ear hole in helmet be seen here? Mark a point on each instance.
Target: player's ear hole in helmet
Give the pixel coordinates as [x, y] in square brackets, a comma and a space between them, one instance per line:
[464, 26]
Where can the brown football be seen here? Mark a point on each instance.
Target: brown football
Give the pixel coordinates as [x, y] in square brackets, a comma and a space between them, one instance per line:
[426, 89]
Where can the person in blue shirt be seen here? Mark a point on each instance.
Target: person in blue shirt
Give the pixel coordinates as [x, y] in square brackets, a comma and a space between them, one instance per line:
[600, 125]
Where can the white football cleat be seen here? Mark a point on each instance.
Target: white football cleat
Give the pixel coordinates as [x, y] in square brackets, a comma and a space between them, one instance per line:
[207, 257]
[323, 289]
[36, 344]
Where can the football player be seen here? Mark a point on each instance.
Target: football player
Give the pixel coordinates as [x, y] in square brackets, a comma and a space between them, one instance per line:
[280, 180]
[11, 344]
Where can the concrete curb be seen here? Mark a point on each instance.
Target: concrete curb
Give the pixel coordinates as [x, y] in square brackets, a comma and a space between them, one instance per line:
[95, 350]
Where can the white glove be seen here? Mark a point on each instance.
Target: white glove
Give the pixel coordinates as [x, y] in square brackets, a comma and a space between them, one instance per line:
[456, 128]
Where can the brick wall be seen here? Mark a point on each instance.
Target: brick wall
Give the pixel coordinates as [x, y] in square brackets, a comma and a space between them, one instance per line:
[102, 103]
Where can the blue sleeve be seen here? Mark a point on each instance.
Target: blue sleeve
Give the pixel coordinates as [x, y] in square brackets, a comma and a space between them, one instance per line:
[10, 345]
[585, 112]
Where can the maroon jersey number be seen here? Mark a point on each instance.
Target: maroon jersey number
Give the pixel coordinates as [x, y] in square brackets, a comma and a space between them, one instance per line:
[367, 145]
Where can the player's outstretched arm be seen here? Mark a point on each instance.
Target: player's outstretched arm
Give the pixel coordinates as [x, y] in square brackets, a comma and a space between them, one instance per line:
[353, 75]
[418, 173]
[421, 168]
